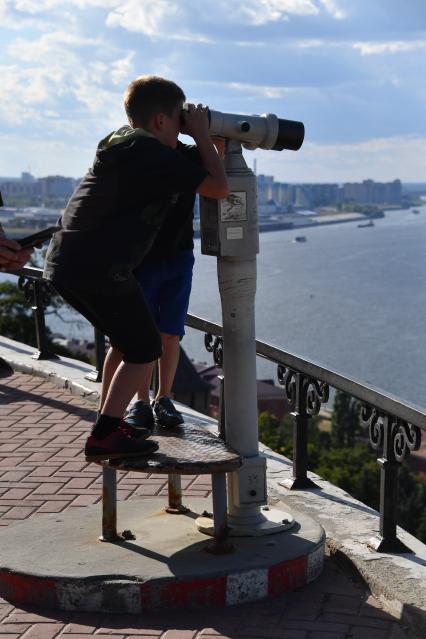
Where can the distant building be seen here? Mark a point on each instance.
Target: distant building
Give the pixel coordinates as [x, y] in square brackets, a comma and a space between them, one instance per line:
[52, 186]
[370, 192]
[57, 186]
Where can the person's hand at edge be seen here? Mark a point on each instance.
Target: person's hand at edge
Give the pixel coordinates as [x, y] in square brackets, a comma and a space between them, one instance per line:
[12, 256]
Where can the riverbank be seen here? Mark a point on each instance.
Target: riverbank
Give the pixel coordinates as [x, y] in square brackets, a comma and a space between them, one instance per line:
[309, 222]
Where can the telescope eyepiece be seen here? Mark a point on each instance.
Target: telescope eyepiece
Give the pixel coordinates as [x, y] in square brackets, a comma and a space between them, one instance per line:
[290, 135]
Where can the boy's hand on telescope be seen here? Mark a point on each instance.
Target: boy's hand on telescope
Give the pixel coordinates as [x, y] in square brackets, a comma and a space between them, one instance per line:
[220, 144]
[196, 121]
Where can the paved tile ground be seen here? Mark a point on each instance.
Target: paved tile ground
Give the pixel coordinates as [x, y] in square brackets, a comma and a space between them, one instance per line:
[42, 469]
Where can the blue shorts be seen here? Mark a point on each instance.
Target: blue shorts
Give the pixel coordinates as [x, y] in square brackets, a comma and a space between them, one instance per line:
[166, 286]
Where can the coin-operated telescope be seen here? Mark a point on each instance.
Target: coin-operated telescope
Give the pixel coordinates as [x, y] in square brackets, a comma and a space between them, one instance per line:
[229, 230]
[258, 131]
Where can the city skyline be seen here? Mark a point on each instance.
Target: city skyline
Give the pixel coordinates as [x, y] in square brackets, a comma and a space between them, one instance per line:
[350, 71]
[31, 191]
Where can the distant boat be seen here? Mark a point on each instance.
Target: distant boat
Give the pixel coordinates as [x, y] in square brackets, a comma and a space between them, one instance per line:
[364, 226]
[299, 238]
[416, 211]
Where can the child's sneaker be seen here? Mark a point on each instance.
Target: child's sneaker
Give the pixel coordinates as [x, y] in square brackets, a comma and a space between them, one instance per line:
[117, 444]
[140, 415]
[165, 413]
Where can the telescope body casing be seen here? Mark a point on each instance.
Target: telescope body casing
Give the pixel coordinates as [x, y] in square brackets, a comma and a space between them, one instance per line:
[265, 131]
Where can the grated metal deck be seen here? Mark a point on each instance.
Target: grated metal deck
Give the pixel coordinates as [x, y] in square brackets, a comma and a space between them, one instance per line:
[185, 450]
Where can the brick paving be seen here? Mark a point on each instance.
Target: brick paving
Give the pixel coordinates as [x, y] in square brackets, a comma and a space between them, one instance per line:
[42, 470]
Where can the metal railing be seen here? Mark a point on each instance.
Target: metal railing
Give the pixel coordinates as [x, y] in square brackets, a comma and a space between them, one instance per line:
[394, 425]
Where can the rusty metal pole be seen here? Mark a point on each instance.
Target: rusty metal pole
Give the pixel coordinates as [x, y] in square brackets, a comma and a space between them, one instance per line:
[220, 515]
[174, 489]
[109, 504]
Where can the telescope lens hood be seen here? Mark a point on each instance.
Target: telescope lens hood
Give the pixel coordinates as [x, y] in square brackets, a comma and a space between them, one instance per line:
[290, 135]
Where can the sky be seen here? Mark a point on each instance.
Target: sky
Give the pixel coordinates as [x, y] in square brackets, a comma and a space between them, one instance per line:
[352, 70]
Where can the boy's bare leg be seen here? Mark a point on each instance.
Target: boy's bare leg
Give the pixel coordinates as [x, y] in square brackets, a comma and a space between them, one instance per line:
[113, 359]
[168, 364]
[123, 386]
[145, 383]
[167, 369]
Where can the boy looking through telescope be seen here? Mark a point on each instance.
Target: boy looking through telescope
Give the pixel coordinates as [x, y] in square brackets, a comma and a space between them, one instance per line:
[109, 226]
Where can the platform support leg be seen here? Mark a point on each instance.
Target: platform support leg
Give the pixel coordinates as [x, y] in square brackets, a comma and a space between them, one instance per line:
[220, 517]
[174, 488]
[109, 505]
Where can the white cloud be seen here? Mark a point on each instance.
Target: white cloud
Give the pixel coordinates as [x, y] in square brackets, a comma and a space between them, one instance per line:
[25, 91]
[156, 19]
[169, 19]
[264, 11]
[41, 6]
[143, 16]
[257, 89]
[54, 47]
[311, 44]
[121, 70]
[393, 46]
[332, 7]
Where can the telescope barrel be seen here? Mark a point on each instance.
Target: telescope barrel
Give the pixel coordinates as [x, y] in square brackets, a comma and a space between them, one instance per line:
[265, 131]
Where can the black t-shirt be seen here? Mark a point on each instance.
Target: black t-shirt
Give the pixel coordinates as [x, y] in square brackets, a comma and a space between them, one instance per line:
[116, 212]
[177, 233]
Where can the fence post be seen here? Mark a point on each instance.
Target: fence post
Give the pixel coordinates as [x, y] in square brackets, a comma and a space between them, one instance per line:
[396, 439]
[305, 396]
[215, 346]
[36, 293]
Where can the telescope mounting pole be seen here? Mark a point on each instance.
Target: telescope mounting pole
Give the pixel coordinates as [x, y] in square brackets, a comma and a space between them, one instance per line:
[248, 514]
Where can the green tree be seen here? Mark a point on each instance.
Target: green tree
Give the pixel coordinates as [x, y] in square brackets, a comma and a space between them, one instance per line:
[275, 434]
[355, 470]
[345, 426]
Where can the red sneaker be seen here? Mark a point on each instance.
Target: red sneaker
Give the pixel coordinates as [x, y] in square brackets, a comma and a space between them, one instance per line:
[117, 444]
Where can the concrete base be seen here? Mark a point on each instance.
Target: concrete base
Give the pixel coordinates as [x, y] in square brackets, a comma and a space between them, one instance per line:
[270, 522]
[57, 561]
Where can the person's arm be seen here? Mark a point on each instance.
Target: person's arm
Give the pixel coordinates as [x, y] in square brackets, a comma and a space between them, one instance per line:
[215, 185]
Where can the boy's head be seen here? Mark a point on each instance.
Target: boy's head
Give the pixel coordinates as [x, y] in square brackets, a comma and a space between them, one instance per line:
[155, 104]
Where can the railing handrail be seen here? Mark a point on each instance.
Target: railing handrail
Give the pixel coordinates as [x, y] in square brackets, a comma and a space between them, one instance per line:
[366, 393]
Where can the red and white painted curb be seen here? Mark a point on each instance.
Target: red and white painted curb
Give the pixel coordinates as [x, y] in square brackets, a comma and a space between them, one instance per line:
[121, 595]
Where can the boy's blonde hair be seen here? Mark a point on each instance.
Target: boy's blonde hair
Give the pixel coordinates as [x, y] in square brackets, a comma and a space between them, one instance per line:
[148, 95]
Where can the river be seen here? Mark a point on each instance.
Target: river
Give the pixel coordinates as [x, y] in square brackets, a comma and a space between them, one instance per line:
[351, 298]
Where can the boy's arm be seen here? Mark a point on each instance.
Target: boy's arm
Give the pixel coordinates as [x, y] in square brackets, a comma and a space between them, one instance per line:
[215, 185]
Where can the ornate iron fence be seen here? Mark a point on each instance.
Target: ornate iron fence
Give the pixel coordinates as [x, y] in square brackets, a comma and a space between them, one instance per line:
[394, 425]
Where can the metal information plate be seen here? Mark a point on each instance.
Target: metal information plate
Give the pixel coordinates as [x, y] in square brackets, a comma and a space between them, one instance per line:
[234, 233]
[234, 207]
